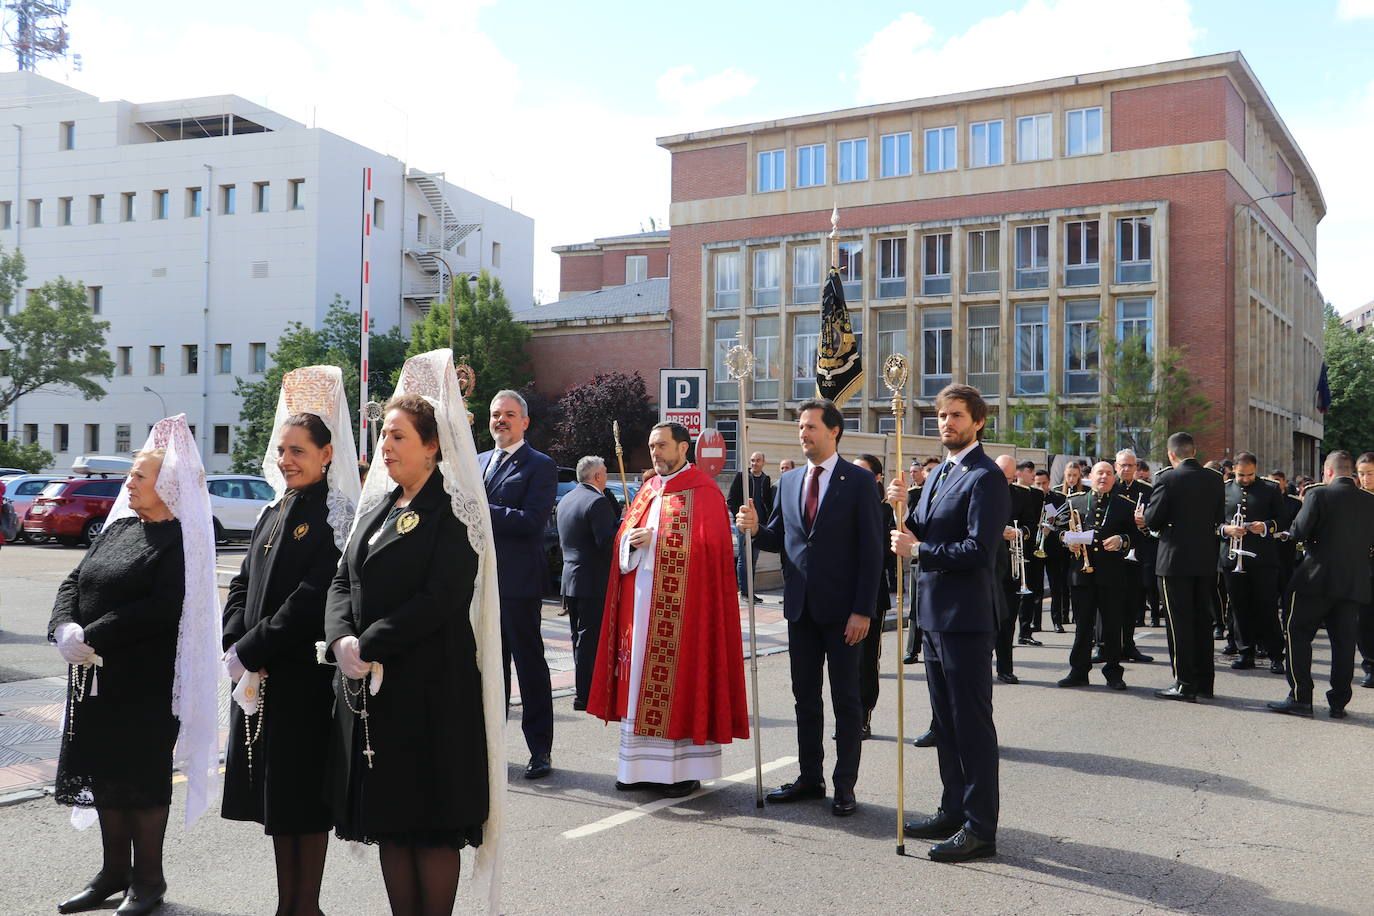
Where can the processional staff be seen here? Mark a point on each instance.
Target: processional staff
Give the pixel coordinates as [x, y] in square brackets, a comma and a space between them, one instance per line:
[894, 377]
[620, 460]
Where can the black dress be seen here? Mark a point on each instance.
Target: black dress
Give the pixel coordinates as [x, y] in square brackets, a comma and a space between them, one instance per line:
[404, 590]
[275, 615]
[126, 593]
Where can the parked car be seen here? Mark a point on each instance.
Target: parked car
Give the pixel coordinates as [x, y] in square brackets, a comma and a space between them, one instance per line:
[236, 501]
[72, 510]
[12, 472]
[22, 490]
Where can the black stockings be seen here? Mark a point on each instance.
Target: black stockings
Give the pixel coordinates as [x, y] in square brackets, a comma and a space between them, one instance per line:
[420, 881]
[300, 872]
[133, 835]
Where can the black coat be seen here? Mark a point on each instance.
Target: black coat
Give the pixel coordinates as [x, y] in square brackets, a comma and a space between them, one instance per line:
[274, 616]
[760, 494]
[1261, 502]
[1336, 527]
[1186, 510]
[1106, 517]
[587, 522]
[406, 597]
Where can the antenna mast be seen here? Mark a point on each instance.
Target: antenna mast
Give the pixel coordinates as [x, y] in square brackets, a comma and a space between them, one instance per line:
[37, 31]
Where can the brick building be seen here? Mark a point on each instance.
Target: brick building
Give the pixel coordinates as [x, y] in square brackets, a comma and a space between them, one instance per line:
[1005, 237]
[614, 261]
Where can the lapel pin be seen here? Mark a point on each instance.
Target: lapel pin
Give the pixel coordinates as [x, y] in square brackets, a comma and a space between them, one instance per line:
[406, 522]
[301, 531]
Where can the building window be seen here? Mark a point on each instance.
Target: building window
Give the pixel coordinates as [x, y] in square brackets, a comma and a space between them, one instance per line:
[1133, 250]
[851, 267]
[97, 209]
[36, 213]
[811, 165]
[728, 430]
[262, 196]
[155, 364]
[1135, 318]
[937, 351]
[636, 268]
[985, 143]
[228, 199]
[1084, 435]
[887, 425]
[1081, 253]
[891, 268]
[295, 193]
[941, 149]
[896, 155]
[95, 298]
[378, 212]
[772, 170]
[1033, 257]
[891, 339]
[124, 360]
[1083, 131]
[122, 435]
[930, 425]
[806, 274]
[984, 254]
[725, 335]
[194, 203]
[128, 206]
[224, 359]
[92, 438]
[1081, 319]
[1032, 348]
[221, 440]
[935, 264]
[190, 359]
[767, 358]
[806, 338]
[1032, 422]
[767, 276]
[161, 205]
[1034, 138]
[64, 211]
[257, 358]
[66, 135]
[984, 347]
[61, 437]
[30, 433]
[495, 251]
[727, 280]
[853, 156]
[6, 214]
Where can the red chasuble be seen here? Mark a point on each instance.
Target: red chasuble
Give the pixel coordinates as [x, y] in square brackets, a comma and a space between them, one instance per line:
[692, 686]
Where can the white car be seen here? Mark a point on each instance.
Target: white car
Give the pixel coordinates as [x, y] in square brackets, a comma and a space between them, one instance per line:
[236, 501]
[21, 489]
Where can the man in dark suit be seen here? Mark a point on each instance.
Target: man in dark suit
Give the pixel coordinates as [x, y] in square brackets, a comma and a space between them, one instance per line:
[761, 492]
[913, 631]
[1055, 562]
[1020, 526]
[1186, 509]
[1252, 579]
[522, 484]
[825, 524]
[587, 521]
[960, 521]
[1133, 592]
[1364, 470]
[1336, 526]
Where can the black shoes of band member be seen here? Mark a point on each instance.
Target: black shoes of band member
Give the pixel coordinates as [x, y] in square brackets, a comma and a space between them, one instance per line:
[579, 705]
[844, 803]
[925, 739]
[1008, 678]
[1058, 628]
[1276, 666]
[1177, 692]
[140, 901]
[866, 732]
[539, 766]
[939, 826]
[912, 659]
[1116, 683]
[1242, 663]
[1139, 657]
[1337, 712]
[1368, 680]
[1027, 641]
[796, 791]
[1230, 650]
[94, 894]
[1291, 706]
[962, 847]
[1073, 680]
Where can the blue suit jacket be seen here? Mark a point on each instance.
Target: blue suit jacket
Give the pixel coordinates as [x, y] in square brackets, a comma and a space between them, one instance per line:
[961, 534]
[835, 570]
[521, 496]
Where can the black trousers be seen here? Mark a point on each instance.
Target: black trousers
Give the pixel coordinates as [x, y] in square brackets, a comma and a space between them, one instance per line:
[813, 650]
[870, 664]
[913, 623]
[1254, 599]
[1188, 605]
[522, 641]
[1366, 638]
[584, 620]
[1150, 589]
[1057, 565]
[1089, 602]
[742, 571]
[1341, 618]
[1006, 626]
[1032, 607]
[965, 737]
[1132, 607]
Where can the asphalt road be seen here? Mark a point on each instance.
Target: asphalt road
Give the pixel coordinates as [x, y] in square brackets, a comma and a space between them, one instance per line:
[1111, 803]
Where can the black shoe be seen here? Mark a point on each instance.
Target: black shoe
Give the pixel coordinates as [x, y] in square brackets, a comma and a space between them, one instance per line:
[796, 791]
[97, 892]
[1230, 650]
[1261, 653]
[540, 765]
[679, 789]
[844, 803]
[1008, 678]
[579, 705]
[866, 732]
[1291, 706]
[142, 900]
[1027, 641]
[1073, 680]
[1097, 659]
[962, 847]
[1058, 628]
[911, 659]
[1242, 663]
[1338, 712]
[1205, 693]
[634, 786]
[940, 826]
[1177, 692]
[1368, 680]
[1276, 666]
[925, 739]
[1116, 684]
[1139, 658]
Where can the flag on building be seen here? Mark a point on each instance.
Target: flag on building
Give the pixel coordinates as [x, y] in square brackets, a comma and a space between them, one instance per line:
[839, 368]
[1323, 391]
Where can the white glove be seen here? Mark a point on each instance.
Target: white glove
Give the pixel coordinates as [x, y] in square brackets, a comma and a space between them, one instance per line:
[232, 666]
[347, 653]
[71, 642]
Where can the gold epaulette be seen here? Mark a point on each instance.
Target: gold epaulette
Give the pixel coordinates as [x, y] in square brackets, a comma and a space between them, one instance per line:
[1130, 502]
[1145, 483]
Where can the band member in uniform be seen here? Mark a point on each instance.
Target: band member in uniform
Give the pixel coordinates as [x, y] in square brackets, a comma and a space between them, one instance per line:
[1100, 575]
[1020, 527]
[1252, 578]
[1336, 526]
[1029, 607]
[1145, 550]
[1364, 469]
[1186, 508]
[1056, 557]
[1133, 593]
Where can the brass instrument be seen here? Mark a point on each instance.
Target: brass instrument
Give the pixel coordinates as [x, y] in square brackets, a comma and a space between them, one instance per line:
[1018, 562]
[1076, 526]
[1048, 517]
[1236, 552]
[1130, 555]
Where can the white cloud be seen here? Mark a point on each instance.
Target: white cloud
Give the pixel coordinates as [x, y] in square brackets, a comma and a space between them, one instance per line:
[1039, 40]
[1347, 10]
[680, 88]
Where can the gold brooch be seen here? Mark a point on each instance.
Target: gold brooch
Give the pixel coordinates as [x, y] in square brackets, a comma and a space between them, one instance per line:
[301, 531]
[407, 521]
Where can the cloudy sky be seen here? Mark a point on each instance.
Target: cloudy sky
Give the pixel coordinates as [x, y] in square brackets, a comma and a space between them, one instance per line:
[553, 106]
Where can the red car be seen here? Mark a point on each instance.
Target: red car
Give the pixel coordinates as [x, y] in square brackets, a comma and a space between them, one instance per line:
[72, 510]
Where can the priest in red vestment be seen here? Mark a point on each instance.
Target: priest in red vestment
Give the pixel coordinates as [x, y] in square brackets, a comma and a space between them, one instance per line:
[670, 665]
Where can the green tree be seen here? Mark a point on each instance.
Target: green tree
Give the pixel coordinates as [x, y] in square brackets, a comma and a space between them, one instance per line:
[486, 337]
[1349, 421]
[336, 343]
[52, 341]
[1148, 395]
[1049, 426]
[588, 410]
[32, 457]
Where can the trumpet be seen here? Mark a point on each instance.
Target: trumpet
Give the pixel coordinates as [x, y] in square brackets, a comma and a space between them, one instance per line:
[1018, 562]
[1236, 552]
[1130, 556]
[1048, 516]
[1076, 526]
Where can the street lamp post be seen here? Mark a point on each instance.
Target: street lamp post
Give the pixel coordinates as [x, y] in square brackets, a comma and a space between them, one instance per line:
[159, 400]
[452, 306]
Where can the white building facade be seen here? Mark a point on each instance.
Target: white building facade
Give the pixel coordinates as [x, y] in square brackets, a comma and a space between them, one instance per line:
[202, 228]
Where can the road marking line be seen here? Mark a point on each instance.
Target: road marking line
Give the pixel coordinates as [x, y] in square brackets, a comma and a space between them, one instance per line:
[710, 785]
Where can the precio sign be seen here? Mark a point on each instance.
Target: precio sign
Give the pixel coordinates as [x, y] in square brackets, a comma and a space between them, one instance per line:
[682, 398]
